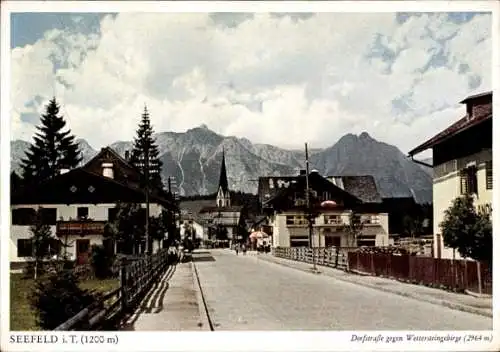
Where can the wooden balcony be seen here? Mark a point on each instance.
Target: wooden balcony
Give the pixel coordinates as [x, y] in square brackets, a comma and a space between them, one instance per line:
[80, 228]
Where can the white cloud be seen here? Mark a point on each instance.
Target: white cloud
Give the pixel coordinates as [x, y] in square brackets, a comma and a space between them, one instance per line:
[270, 79]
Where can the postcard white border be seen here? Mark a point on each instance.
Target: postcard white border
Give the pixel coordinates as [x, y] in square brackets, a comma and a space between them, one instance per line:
[225, 341]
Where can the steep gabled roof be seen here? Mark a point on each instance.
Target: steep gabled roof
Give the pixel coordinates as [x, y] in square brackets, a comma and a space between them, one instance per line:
[106, 153]
[461, 125]
[80, 186]
[317, 183]
[363, 187]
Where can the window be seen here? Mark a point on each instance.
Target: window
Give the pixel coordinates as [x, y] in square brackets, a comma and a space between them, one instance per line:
[489, 175]
[26, 216]
[23, 216]
[55, 246]
[368, 241]
[296, 220]
[112, 213]
[332, 241]
[82, 212]
[24, 248]
[333, 219]
[298, 243]
[370, 219]
[468, 180]
[326, 196]
[49, 216]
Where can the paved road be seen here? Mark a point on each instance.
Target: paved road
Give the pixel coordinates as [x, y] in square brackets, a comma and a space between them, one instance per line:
[245, 293]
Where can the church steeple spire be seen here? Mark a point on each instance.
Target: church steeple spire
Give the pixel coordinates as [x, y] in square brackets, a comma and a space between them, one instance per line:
[223, 190]
[223, 174]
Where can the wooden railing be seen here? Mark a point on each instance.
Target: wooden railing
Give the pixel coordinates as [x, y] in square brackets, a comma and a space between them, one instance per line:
[136, 279]
[335, 257]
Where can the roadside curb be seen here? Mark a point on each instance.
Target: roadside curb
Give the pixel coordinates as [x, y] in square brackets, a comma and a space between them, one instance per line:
[478, 295]
[451, 305]
[204, 320]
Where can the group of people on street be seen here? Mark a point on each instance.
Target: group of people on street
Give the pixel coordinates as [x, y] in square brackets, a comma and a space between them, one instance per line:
[240, 247]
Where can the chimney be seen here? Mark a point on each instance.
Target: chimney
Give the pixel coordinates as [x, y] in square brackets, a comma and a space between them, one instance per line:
[127, 155]
[107, 170]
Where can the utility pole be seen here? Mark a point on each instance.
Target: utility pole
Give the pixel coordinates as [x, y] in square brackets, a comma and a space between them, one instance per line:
[309, 212]
[146, 164]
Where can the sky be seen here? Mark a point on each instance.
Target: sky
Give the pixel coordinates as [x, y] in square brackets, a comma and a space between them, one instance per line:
[276, 78]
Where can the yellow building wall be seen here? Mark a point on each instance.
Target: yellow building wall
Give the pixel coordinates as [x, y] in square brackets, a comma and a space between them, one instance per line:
[447, 187]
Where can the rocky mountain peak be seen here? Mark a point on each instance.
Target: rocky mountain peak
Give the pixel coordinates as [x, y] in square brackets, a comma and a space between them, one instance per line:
[193, 159]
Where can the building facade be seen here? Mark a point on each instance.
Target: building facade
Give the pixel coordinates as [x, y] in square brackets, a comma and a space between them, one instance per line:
[332, 208]
[462, 163]
[78, 203]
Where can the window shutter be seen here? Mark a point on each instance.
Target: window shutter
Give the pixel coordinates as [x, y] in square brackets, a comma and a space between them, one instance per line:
[463, 182]
[489, 175]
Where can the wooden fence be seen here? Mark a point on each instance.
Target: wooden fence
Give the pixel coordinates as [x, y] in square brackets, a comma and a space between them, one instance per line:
[332, 257]
[457, 275]
[136, 278]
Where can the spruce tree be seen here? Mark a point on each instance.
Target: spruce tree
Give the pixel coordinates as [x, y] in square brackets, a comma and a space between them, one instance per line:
[15, 182]
[53, 149]
[145, 147]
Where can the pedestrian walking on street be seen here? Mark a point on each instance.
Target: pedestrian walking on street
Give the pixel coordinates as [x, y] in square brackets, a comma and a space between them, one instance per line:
[244, 249]
[236, 248]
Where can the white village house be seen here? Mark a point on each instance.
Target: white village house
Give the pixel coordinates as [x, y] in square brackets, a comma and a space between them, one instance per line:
[78, 203]
[462, 163]
[333, 200]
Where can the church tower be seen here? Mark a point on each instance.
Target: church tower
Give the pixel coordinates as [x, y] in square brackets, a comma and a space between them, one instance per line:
[223, 197]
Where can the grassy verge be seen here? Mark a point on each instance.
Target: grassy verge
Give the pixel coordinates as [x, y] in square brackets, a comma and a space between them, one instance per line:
[23, 317]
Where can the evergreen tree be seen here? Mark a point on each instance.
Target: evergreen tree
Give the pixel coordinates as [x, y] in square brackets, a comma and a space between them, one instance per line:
[145, 149]
[15, 182]
[53, 149]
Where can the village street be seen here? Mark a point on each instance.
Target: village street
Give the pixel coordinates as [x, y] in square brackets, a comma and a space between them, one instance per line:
[246, 293]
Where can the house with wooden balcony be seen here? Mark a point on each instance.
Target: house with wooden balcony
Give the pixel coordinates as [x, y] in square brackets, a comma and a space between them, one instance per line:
[462, 163]
[78, 203]
[333, 200]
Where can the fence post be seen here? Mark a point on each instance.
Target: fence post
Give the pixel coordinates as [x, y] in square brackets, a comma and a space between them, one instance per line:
[479, 279]
[123, 285]
[372, 263]
[357, 260]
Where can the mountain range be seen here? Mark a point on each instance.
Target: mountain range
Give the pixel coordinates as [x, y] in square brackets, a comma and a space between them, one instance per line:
[193, 159]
